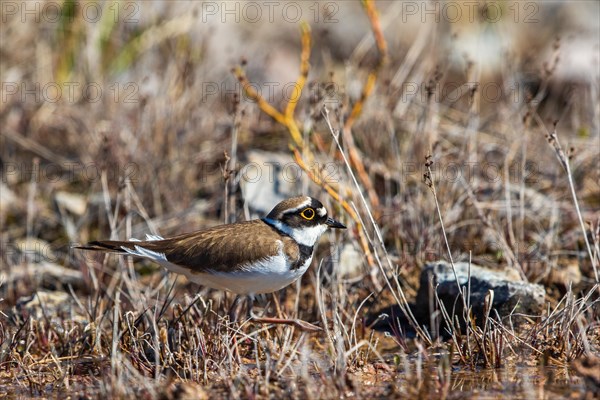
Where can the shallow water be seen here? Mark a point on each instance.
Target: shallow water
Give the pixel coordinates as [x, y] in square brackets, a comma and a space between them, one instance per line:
[518, 382]
[513, 381]
[376, 381]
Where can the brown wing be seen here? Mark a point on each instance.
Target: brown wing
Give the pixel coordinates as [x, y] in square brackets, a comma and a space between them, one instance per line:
[223, 247]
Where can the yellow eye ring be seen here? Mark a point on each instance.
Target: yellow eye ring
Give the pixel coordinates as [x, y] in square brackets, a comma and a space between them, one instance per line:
[308, 214]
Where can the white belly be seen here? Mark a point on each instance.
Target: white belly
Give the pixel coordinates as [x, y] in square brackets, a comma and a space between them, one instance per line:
[266, 276]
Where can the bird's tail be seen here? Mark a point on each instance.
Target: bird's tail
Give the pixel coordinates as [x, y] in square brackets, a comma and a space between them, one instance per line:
[109, 246]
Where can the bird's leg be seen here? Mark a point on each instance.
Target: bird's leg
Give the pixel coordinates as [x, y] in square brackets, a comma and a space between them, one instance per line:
[249, 305]
[298, 323]
[277, 305]
[234, 309]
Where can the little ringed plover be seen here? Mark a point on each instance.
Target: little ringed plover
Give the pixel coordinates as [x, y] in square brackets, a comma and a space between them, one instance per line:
[246, 258]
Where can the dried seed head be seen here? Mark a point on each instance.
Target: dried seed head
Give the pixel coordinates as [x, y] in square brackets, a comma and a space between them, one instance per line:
[427, 179]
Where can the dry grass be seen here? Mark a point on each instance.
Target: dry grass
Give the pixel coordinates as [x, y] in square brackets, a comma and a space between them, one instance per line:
[503, 181]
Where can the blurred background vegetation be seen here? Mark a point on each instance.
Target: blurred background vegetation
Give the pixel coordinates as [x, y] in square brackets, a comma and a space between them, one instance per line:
[116, 115]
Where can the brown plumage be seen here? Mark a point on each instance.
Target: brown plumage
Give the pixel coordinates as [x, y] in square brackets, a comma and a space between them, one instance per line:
[213, 249]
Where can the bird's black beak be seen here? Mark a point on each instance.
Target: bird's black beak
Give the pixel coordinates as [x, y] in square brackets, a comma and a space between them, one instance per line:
[332, 223]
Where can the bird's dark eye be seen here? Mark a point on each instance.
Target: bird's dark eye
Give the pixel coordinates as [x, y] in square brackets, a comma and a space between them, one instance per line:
[308, 214]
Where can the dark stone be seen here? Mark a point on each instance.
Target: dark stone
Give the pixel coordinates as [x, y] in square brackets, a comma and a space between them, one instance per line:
[511, 293]
[512, 297]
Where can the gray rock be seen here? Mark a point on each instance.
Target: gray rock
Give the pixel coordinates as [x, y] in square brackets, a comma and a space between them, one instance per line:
[268, 178]
[511, 293]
